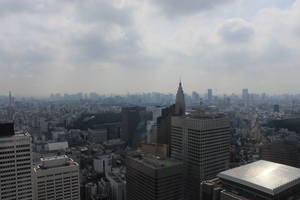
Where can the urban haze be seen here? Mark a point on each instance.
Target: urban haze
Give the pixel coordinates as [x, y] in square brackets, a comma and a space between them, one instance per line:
[134, 46]
[149, 100]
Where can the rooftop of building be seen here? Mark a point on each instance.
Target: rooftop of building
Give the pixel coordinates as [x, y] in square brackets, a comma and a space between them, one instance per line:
[114, 142]
[152, 161]
[201, 113]
[55, 161]
[268, 177]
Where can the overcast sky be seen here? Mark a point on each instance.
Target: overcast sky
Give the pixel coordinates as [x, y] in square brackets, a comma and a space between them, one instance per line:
[121, 46]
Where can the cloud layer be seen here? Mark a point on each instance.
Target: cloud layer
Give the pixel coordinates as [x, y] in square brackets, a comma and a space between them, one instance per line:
[120, 46]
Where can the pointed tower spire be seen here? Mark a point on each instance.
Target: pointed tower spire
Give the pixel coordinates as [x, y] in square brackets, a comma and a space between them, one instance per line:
[180, 102]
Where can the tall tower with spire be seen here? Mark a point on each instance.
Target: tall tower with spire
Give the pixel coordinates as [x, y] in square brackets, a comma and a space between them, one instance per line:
[180, 102]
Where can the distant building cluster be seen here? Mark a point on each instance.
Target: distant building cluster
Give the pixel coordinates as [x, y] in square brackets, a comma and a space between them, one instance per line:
[150, 146]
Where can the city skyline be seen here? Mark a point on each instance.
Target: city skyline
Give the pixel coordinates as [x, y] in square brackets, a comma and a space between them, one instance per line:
[135, 46]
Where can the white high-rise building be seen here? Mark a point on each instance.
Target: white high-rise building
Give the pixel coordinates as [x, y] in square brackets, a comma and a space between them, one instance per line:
[202, 142]
[15, 164]
[57, 178]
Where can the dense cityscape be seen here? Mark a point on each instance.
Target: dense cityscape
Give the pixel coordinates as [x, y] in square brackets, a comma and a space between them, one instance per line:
[150, 146]
[149, 100]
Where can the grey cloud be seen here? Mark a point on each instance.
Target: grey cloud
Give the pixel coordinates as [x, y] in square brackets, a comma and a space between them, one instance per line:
[24, 61]
[187, 7]
[248, 60]
[15, 6]
[96, 11]
[30, 7]
[91, 48]
[276, 52]
[236, 31]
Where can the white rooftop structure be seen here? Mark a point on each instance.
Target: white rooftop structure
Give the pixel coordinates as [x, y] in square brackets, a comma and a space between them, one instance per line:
[268, 177]
[55, 146]
[57, 161]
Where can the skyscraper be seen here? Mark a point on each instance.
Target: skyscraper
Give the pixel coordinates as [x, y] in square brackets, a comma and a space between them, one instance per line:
[202, 142]
[245, 97]
[283, 151]
[164, 125]
[152, 178]
[276, 108]
[10, 108]
[133, 124]
[209, 95]
[180, 102]
[15, 164]
[164, 122]
[56, 178]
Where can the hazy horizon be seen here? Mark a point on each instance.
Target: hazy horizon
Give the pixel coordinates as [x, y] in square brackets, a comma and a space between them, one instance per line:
[135, 46]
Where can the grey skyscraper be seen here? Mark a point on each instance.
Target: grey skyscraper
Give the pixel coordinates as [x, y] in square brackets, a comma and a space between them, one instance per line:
[10, 108]
[209, 95]
[133, 124]
[245, 97]
[164, 122]
[284, 152]
[152, 178]
[164, 125]
[15, 164]
[202, 142]
[180, 102]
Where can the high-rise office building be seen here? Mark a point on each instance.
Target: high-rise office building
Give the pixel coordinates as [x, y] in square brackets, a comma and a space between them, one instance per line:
[209, 95]
[15, 164]
[276, 108]
[283, 152]
[134, 121]
[245, 97]
[164, 125]
[164, 122]
[202, 142]
[180, 102]
[56, 178]
[10, 108]
[256, 181]
[152, 178]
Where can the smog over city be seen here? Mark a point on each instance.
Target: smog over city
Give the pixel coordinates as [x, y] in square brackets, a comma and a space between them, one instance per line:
[136, 46]
[149, 100]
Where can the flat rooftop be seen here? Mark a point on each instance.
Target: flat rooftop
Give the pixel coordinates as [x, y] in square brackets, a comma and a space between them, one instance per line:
[268, 177]
[56, 161]
[154, 162]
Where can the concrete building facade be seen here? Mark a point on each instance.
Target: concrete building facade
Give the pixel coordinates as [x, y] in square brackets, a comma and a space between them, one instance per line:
[15, 164]
[133, 124]
[203, 144]
[56, 178]
[283, 152]
[150, 178]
